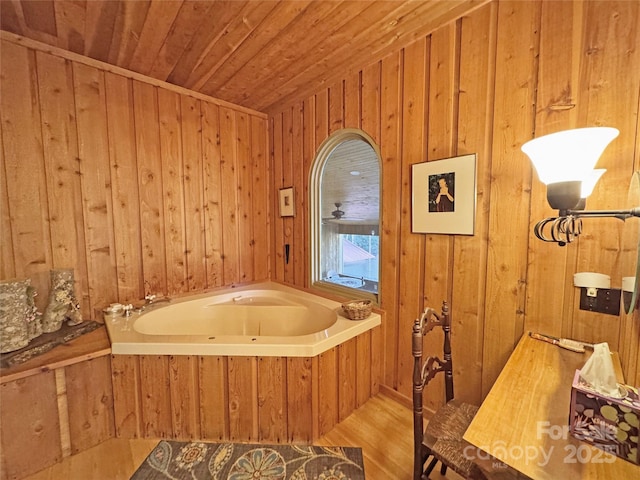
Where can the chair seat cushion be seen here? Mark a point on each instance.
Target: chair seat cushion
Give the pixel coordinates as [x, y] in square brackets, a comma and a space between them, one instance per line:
[443, 437]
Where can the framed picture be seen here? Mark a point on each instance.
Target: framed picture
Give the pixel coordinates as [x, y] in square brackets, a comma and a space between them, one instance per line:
[286, 202]
[443, 196]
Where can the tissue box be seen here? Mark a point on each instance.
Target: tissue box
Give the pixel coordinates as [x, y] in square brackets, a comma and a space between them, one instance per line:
[608, 423]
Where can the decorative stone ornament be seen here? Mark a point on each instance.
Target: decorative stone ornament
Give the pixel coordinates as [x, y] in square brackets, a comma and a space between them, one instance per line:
[62, 301]
[20, 320]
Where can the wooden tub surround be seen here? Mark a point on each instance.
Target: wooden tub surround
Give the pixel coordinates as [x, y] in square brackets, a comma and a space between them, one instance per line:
[264, 399]
[286, 385]
[78, 395]
[56, 405]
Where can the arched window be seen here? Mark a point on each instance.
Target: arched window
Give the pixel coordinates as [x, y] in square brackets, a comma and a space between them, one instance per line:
[345, 214]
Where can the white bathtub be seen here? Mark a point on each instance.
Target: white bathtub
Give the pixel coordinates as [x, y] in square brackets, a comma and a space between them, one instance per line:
[265, 319]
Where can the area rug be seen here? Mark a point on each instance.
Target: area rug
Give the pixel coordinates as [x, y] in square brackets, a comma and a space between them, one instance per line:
[239, 461]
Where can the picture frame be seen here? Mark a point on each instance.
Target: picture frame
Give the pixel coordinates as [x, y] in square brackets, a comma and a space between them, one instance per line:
[287, 202]
[443, 196]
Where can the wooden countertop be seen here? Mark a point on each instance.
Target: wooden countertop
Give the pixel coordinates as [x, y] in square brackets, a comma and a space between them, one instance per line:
[90, 345]
[524, 421]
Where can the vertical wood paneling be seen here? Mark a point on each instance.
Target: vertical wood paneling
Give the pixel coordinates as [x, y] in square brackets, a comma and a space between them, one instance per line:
[391, 187]
[287, 181]
[60, 148]
[7, 264]
[501, 75]
[63, 411]
[212, 194]
[23, 165]
[150, 184]
[214, 398]
[243, 407]
[517, 47]
[245, 204]
[411, 259]
[376, 358]
[336, 107]
[321, 119]
[363, 368]
[612, 41]
[29, 417]
[299, 176]
[443, 103]
[92, 415]
[155, 396]
[557, 92]
[315, 398]
[125, 372]
[260, 195]
[278, 231]
[352, 102]
[127, 181]
[347, 362]
[502, 280]
[441, 117]
[193, 193]
[371, 101]
[309, 148]
[477, 69]
[277, 143]
[229, 189]
[299, 400]
[173, 192]
[272, 399]
[185, 399]
[93, 151]
[124, 187]
[327, 381]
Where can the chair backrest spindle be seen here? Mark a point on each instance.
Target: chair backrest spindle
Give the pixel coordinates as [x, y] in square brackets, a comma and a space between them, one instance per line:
[425, 371]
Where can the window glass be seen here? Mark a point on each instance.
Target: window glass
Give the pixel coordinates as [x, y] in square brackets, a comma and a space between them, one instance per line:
[346, 214]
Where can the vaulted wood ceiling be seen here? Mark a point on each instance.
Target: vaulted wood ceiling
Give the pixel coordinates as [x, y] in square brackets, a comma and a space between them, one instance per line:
[253, 53]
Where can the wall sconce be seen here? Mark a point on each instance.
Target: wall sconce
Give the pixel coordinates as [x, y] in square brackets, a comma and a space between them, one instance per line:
[565, 162]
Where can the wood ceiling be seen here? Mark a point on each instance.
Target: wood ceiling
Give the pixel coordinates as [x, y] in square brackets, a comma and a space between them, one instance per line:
[351, 177]
[253, 53]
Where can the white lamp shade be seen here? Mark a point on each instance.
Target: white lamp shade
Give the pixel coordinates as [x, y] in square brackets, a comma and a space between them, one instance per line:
[568, 155]
[589, 182]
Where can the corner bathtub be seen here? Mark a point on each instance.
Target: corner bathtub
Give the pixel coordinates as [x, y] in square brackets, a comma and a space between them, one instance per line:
[265, 319]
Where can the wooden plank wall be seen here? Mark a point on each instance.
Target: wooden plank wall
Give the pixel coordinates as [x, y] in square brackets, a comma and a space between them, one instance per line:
[266, 399]
[56, 413]
[484, 84]
[139, 186]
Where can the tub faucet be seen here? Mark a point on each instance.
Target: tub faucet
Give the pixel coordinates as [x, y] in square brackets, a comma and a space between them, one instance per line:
[151, 299]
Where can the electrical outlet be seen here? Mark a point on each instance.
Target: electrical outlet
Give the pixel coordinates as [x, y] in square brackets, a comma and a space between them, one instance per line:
[600, 300]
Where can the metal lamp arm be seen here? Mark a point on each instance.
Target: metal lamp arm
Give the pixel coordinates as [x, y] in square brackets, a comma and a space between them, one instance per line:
[568, 226]
[620, 214]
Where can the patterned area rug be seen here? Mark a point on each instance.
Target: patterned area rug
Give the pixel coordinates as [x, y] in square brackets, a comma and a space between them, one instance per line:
[238, 461]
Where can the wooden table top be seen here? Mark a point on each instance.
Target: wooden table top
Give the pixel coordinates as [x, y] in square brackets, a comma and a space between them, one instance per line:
[524, 421]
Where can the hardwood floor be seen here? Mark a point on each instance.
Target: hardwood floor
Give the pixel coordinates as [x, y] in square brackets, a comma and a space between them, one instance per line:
[381, 427]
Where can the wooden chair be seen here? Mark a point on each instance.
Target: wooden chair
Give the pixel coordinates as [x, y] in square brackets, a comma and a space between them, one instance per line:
[442, 439]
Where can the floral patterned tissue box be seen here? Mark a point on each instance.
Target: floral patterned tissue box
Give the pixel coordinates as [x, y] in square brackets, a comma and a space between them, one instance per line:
[608, 423]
